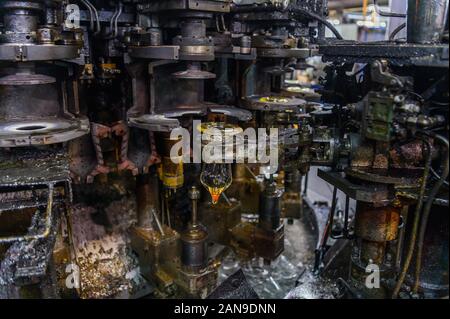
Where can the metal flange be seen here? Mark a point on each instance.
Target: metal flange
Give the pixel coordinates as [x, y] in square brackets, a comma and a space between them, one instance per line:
[44, 131]
[272, 102]
[37, 52]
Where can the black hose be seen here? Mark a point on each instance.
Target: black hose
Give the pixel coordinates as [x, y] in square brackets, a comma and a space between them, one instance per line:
[427, 210]
[396, 31]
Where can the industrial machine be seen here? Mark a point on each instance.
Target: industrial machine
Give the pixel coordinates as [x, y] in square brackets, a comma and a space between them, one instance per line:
[147, 145]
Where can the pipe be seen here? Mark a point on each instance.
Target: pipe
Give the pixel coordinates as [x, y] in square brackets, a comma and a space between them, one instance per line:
[426, 20]
[427, 210]
[94, 10]
[91, 14]
[418, 209]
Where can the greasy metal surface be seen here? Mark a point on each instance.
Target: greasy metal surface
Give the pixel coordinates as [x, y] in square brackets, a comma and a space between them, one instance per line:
[408, 177]
[255, 103]
[401, 53]
[26, 261]
[235, 286]
[285, 53]
[29, 167]
[373, 194]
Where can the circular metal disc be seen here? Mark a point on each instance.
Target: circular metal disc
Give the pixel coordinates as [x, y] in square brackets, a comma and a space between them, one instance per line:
[194, 75]
[42, 132]
[273, 102]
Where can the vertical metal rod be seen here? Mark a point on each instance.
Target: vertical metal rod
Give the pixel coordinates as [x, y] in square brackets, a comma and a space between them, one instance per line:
[347, 202]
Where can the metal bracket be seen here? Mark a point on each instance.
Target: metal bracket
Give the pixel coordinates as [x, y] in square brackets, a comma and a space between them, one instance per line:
[48, 223]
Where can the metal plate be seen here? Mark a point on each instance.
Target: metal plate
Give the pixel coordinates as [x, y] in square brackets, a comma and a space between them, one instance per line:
[400, 53]
[376, 194]
[153, 122]
[167, 52]
[168, 120]
[37, 52]
[197, 5]
[286, 53]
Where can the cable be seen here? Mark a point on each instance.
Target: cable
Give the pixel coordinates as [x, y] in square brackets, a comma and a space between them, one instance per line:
[427, 210]
[387, 14]
[396, 31]
[412, 241]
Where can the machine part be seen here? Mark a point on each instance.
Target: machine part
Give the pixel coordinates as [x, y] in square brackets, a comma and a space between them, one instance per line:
[216, 175]
[194, 72]
[170, 173]
[429, 17]
[193, 240]
[221, 217]
[234, 287]
[133, 71]
[193, 42]
[273, 103]
[31, 112]
[398, 53]
[155, 52]
[303, 93]
[426, 212]
[249, 241]
[270, 206]
[157, 253]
